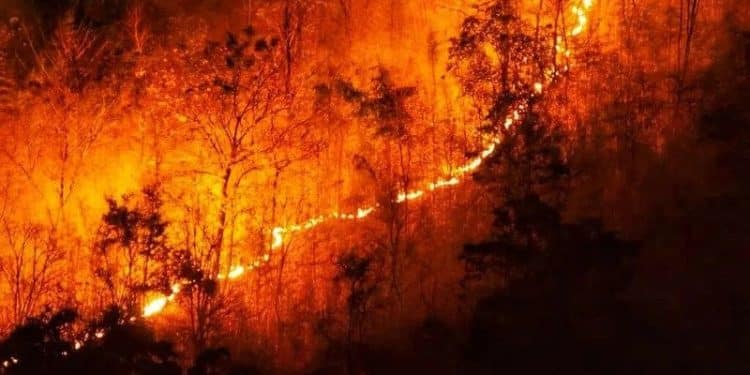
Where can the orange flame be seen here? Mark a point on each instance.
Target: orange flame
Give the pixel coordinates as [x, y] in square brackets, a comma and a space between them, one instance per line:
[279, 233]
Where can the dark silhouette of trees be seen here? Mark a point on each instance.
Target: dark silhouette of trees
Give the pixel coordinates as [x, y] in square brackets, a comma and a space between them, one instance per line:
[529, 160]
[135, 256]
[37, 346]
[386, 110]
[544, 284]
[133, 248]
[496, 59]
[218, 361]
[354, 270]
[55, 343]
[60, 342]
[125, 347]
[559, 298]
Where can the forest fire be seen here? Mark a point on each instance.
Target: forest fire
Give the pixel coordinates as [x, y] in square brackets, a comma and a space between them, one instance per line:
[353, 187]
[278, 233]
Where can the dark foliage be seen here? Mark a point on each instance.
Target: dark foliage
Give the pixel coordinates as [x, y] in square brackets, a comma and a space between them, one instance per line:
[385, 104]
[218, 361]
[562, 299]
[50, 344]
[59, 343]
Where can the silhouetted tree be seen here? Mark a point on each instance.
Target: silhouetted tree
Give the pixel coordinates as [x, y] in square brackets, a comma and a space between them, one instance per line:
[133, 248]
[119, 344]
[559, 296]
[496, 58]
[385, 108]
[529, 160]
[355, 271]
[218, 361]
[134, 254]
[38, 345]
[54, 343]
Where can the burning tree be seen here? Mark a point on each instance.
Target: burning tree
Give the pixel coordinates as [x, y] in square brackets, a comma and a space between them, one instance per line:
[243, 119]
[135, 255]
[132, 249]
[241, 115]
[496, 59]
[386, 111]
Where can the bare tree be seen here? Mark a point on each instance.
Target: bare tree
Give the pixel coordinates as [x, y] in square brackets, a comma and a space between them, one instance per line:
[240, 111]
[356, 272]
[496, 59]
[385, 110]
[68, 116]
[245, 117]
[687, 26]
[28, 265]
[137, 29]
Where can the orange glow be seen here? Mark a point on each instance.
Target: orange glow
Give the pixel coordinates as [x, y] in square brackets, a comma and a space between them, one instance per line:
[155, 306]
[279, 233]
[538, 87]
[158, 304]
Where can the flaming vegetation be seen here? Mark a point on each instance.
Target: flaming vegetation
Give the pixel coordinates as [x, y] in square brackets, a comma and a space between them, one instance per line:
[294, 179]
[278, 233]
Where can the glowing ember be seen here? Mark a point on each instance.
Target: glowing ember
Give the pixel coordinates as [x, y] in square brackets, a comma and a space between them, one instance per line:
[407, 196]
[581, 13]
[444, 183]
[538, 87]
[236, 272]
[364, 212]
[155, 306]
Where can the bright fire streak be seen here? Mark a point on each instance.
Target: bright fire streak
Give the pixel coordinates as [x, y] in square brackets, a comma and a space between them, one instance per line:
[234, 273]
[407, 196]
[444, 183]
[582, 21]
[489, 151]
[538, 87]
[364, 212]
[155, 306]
[581, 13]
[158, 304]
[278, 237]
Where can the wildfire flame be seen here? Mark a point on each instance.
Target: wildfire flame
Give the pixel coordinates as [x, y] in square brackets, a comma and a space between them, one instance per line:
[582, 19]
[278, 234]
[157, 304]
